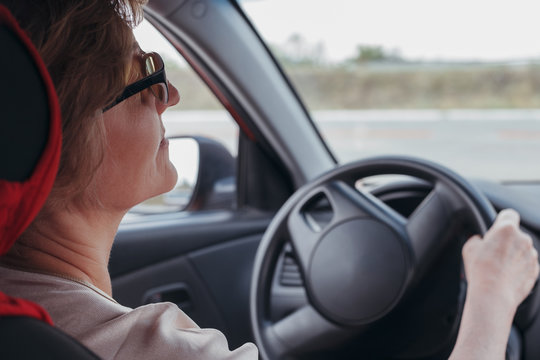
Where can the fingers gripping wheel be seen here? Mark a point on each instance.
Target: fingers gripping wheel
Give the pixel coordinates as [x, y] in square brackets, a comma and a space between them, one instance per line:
[360, 259]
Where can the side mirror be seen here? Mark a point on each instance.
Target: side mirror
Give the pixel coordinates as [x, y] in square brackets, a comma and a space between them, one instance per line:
[184, 154]
[206, 178]
[215, 186]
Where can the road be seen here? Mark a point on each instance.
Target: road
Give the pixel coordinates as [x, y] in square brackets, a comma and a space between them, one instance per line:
[496, 144]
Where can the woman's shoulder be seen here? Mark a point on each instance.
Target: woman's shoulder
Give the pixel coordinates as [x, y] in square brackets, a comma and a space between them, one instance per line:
[63, 297]
[159, 330]
[162, 330]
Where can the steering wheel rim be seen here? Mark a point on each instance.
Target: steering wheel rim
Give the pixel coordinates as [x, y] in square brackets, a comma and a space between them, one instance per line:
[325, 319]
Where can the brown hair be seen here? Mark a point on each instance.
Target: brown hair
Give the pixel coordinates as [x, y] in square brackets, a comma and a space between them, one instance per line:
[87, 46]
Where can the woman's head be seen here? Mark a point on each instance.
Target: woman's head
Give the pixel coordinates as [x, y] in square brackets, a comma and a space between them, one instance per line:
[88, 47]
[136, 163]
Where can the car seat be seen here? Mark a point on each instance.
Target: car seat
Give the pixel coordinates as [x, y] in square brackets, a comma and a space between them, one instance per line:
[30, 141]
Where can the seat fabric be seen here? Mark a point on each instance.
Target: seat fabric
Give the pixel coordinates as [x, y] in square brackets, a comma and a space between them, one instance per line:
[29, 338]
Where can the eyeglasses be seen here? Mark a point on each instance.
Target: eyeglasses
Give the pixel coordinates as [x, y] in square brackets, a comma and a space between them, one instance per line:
[154, 78]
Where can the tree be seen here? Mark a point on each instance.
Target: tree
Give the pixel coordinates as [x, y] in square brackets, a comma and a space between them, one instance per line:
[375, 53]
[298, 51]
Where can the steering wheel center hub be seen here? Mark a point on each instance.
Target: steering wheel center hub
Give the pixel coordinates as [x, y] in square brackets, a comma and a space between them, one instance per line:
[358, 271]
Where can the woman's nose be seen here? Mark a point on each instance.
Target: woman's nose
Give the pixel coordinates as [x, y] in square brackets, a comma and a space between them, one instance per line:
[174, 96]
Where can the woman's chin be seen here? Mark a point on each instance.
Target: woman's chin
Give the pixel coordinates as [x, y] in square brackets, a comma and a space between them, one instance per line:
[172, 177]
[162, 181]
[169, 169]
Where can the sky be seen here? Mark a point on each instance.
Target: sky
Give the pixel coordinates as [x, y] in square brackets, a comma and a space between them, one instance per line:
[490, 30]
[486, 30]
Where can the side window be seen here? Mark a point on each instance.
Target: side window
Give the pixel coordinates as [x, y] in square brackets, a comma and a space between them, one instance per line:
[200, 132]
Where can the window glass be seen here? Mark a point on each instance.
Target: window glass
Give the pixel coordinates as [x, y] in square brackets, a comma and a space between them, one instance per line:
[457, 82]
[198, 113]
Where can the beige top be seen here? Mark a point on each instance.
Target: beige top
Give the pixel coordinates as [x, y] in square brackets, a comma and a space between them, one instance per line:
[113, 331]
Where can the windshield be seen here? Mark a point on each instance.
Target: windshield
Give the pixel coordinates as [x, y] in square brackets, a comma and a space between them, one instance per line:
[457, 82]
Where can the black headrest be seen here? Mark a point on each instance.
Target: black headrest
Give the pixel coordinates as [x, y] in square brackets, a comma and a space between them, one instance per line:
[24, 109]
[30, 131]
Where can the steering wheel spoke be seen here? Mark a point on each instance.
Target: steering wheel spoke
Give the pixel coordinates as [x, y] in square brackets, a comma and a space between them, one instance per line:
[349, 202]
[345, 203]
[304, 331]
[303, 233]
[431, 221]
[306, 231]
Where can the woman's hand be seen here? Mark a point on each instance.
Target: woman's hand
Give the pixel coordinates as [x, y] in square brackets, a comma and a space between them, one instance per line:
[504, 264]
[501, 270]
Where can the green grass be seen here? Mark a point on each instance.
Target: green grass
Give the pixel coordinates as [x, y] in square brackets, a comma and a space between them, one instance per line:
[479, 87]
[406, 86]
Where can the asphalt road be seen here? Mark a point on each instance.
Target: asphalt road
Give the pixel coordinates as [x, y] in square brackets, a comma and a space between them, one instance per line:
[493, 144]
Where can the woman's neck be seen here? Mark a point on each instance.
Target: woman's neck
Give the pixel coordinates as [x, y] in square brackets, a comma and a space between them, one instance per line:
[71, 244]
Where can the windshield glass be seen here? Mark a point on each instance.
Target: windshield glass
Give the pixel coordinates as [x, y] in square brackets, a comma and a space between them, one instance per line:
[457, 82]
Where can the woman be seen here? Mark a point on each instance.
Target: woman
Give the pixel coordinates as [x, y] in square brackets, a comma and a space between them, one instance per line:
[115, 155]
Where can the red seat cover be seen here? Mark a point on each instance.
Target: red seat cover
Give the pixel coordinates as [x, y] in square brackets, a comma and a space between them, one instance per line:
[20, 202]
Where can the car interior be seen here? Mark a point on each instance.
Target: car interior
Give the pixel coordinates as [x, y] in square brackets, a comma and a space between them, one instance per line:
[261, 248]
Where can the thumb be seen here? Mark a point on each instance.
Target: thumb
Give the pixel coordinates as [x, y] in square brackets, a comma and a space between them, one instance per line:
[508, 216]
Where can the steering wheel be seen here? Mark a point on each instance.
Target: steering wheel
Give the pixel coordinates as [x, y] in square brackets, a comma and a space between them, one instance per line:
[339, 273]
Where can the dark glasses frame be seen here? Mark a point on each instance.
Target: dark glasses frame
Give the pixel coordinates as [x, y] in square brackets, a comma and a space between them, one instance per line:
[157, 77]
